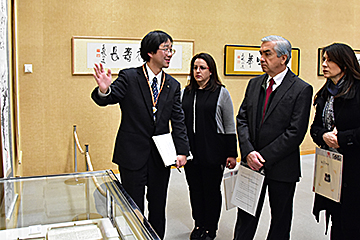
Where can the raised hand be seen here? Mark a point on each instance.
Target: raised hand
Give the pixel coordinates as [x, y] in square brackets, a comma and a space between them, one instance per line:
[102, 78]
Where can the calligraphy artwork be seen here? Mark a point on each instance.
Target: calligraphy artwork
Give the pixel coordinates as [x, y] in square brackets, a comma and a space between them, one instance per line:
[113, 55]
[245, 60]
[10, 196]
[5, 91]
[118, 53]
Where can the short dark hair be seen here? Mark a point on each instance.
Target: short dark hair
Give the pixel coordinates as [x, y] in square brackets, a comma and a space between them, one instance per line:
[214, 80]
[151, 42]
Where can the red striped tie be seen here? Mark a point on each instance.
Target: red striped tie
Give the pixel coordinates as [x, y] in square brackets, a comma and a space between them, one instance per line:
[268, 92]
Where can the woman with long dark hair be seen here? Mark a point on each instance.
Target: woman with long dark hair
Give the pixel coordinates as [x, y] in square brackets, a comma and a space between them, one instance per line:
[209, 119]
[336, 127]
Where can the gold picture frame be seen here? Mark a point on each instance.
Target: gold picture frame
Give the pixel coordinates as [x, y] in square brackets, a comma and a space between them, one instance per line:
[319, 68]
[119, 53]
[243, 60]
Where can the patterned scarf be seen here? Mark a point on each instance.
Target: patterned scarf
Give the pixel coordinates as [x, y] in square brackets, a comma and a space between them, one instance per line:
[328, 116]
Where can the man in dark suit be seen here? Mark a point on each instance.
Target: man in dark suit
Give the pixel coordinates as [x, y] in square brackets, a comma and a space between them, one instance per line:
[271, 124]
[149, 99]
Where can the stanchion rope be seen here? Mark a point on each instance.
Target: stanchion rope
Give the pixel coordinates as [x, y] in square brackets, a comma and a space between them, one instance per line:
[90, 166]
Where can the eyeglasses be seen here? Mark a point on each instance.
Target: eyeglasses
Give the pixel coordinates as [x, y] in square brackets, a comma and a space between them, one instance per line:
[168, 50]
[202, 68]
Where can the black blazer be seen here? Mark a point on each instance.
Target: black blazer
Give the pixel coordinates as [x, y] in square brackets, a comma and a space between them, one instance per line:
[133, 142]
[347, 115]
[283, 129]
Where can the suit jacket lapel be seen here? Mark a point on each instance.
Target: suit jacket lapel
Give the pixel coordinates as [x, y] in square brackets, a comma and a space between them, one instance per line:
[280, 92]
[145, 90]
[255, 96]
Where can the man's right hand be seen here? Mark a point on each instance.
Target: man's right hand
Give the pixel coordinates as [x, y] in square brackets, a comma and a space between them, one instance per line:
[255, 160]
[102, 78]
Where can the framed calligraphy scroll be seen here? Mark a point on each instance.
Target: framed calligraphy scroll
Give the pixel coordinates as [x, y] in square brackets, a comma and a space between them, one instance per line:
[6, 125]
[319, 68]
[241, 60]
[120, 53]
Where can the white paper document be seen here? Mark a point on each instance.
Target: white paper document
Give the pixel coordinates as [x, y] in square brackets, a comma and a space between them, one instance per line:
[76, 232]
[328, 174]
[247, 189]
[229, 184]
[166, 148]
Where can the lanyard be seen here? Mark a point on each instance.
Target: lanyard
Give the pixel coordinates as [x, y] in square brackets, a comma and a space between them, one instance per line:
[152, 94]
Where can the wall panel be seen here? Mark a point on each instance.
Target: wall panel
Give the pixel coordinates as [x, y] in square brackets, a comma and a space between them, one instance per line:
[52, 100]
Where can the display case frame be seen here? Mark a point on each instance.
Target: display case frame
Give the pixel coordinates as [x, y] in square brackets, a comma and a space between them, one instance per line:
[72, 202]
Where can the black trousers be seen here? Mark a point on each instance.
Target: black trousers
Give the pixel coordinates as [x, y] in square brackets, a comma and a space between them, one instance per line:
[281, 195]
[339, 230]
[205, 194]
[155, 176]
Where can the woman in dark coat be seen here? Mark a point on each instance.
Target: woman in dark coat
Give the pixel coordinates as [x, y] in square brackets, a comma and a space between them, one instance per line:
[209, 119]
[336, 127]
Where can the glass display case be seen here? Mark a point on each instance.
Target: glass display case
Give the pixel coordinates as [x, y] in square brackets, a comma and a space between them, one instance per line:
[91, 205]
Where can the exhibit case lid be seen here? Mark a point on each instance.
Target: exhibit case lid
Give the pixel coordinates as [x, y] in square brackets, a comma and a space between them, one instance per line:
[88, 205]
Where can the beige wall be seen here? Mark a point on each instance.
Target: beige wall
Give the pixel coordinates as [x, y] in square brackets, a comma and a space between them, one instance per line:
[52, 100]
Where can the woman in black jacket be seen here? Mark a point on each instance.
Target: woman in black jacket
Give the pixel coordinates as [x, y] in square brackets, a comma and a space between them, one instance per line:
[336, 127]
[209, 119]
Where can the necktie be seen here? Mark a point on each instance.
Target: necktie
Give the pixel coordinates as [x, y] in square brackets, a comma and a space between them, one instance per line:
[268, 92]
[154, 89]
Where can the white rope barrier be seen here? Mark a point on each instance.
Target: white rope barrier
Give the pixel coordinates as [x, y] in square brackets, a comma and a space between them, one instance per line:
[78, 143]
[93, 177]
[87, 156]
[88, 161]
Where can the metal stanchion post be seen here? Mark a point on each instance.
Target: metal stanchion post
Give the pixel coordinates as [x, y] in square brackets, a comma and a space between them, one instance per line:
[86, 153]
[87, 199]
[86, 180]
[75, 157]
[75, 180]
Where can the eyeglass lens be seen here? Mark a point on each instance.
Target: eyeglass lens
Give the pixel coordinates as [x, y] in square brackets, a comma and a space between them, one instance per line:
[168, 50]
